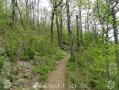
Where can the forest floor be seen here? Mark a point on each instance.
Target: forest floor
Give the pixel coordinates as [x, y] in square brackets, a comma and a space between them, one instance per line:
[56, 79]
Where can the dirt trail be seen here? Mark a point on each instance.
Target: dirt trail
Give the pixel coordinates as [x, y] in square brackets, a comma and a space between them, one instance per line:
[57, 77]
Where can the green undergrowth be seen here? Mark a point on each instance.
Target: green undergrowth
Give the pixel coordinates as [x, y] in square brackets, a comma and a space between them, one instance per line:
[89, 70]
[34, 47]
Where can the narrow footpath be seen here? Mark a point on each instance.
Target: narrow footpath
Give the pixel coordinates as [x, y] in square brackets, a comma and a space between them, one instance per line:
[56, 79]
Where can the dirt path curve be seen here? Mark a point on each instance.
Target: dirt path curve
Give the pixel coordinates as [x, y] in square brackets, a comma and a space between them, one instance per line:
[56, 79]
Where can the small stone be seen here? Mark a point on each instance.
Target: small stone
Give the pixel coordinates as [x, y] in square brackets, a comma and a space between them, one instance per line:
[7, 84]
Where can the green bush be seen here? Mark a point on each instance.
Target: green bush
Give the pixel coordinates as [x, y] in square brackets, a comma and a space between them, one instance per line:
[42, 78]
[27, 53]
[90, 67]
[43, 70]
[12, 44]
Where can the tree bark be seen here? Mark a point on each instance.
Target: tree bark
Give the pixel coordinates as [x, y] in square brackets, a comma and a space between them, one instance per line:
[52, 22]
[13, 15]
[70, 40]
[80, 17]
[58, 29]
[54, 8]
[77, 31]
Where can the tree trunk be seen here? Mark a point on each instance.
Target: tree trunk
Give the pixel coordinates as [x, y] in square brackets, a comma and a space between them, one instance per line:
[58, 29]
[115, 35]
[61, 24]
[77, 31]
[70, 40]
[13, 17]
[80, 17]
[52, 22]
[27, 13]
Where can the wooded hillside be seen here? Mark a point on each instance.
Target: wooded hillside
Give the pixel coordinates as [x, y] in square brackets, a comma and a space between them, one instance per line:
[79, 36]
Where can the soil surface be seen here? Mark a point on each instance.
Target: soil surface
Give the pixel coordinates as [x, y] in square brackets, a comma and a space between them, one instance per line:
[56, 79]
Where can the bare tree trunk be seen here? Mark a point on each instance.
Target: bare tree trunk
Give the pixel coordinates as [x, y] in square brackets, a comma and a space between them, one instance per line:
[69, 31]
[95, 31]
[13, 17]
[88, 25]
[61, 24]
[54, 8]
[20, 14]
[115, 27]
[80, 17]
[38, 13]
[33, 12]
[6, 6]
[27, 13]
[58, 29]
[52, 22]
[77, 31]
[107, 41]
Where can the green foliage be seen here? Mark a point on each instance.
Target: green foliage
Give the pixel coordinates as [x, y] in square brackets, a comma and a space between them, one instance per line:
[42, 78]
[83, 4]
[102, 11]
[12, 42]
[31, 46]
[4, 16]
[42, 70]
[27, 53]
[90, 67]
